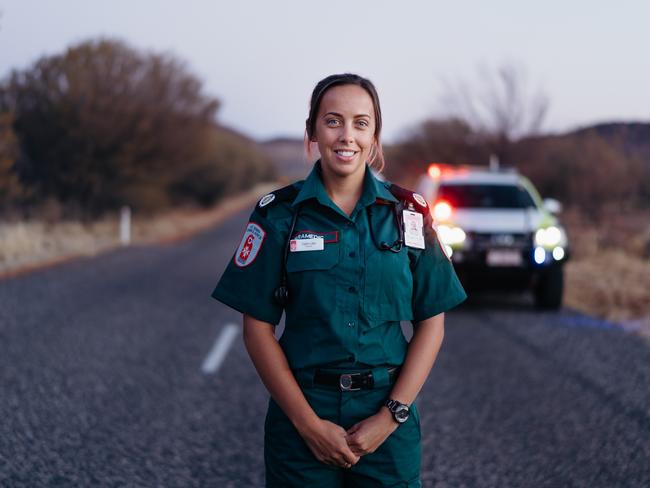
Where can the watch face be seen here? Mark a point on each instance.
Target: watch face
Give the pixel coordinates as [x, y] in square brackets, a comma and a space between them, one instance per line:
[402, 414]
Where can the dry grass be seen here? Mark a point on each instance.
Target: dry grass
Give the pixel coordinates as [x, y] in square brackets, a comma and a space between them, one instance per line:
[608, 275]
[32, 244]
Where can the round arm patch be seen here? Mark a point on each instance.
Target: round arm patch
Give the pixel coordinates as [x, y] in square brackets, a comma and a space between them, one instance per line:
[250, 245]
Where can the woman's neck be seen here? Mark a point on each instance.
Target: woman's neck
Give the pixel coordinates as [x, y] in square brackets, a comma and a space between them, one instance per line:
[344, 191]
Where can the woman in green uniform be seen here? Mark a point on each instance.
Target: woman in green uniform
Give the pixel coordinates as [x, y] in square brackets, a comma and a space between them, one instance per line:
[346, 257]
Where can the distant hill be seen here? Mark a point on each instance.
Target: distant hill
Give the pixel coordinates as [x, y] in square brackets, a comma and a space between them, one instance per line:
[288, 157]
[632, 137]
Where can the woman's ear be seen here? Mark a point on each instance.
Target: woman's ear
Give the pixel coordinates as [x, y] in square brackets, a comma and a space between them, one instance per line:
[311, 138]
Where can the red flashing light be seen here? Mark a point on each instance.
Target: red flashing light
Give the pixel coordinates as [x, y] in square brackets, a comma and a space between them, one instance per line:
[434, 171]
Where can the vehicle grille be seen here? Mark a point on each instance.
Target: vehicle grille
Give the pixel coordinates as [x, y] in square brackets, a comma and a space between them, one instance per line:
[482, 241]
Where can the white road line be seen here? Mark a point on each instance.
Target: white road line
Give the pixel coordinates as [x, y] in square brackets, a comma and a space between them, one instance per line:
[221, 346]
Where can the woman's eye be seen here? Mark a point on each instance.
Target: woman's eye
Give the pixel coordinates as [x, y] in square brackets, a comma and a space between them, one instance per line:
[362, 123]
[332, 122]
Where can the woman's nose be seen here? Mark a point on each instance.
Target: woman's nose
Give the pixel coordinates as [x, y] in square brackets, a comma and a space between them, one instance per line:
[346, 134]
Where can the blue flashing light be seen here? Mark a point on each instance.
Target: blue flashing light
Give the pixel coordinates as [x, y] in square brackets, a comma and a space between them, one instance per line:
[539, 255]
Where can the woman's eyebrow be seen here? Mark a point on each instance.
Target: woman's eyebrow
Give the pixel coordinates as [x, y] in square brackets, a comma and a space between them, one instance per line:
[336, 114]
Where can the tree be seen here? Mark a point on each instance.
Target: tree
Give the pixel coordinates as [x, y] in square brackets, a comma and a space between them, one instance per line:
[450, 141]
[581, 169]
[10, 188]
[103, 119]
[229, 164]
[500, 109]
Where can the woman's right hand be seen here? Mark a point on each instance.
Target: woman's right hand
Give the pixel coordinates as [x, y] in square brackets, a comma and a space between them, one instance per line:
[328, 443]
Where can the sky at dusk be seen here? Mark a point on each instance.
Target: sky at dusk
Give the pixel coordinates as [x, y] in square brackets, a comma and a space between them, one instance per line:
[262, 59]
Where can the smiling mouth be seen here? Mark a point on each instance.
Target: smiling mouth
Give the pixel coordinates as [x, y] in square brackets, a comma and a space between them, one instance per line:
[346, 153]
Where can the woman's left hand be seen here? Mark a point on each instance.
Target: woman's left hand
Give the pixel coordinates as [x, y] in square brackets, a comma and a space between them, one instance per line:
[366, 436]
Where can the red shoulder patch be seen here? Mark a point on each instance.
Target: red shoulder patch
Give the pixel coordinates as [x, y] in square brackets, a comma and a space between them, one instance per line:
[250, 245]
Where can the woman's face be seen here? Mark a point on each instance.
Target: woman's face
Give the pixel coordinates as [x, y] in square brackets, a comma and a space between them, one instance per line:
[345, 130]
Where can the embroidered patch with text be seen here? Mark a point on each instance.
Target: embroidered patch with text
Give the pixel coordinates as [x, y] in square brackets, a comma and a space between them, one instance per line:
[420, 199]
[328, 237]
[250, 245]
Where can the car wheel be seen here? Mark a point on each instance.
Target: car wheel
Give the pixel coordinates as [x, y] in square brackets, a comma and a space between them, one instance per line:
[550, 288]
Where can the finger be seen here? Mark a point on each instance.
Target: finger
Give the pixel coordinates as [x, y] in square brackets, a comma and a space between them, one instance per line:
[350, 457]
[357, 452]
[344, 463]
[353, 429]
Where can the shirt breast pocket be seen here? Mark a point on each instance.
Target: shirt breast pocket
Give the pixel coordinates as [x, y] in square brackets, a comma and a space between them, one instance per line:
[312, 277]
[389, 286]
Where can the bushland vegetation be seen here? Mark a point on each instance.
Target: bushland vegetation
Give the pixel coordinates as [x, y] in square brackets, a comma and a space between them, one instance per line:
[601, 174]
[590, 170]
[104, 125]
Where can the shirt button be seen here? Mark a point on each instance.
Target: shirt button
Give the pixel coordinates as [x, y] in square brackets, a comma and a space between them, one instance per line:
[352, 254]
[351, 324]
[352, 289]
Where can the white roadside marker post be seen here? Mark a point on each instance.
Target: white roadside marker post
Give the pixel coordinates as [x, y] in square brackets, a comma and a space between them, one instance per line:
[125, 225]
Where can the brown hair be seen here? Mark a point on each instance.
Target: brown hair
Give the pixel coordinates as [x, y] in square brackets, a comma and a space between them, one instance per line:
[377, 155]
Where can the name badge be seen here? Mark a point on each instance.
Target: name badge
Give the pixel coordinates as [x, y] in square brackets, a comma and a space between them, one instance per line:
[311, 244]
[413, 229]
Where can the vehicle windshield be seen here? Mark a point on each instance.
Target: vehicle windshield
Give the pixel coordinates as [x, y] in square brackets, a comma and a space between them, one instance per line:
[485, 196]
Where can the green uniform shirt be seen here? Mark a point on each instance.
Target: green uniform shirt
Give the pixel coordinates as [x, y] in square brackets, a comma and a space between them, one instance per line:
[346, 301]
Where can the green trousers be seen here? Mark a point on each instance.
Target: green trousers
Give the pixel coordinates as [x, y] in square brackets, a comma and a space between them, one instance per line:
[289, 462]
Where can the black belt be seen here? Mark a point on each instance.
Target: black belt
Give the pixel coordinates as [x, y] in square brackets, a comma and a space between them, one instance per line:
[362, 380]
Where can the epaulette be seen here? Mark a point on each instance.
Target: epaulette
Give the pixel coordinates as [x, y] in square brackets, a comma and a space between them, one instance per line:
[415, 199]
[284, 194]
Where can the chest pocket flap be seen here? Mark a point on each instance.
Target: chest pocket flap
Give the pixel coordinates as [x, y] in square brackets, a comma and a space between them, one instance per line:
[389, 286]
[313, 260]
[313, 281]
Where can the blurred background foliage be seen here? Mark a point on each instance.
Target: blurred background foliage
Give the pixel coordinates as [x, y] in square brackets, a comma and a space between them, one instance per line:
[104, 125]
[582, 169]
[603, 167]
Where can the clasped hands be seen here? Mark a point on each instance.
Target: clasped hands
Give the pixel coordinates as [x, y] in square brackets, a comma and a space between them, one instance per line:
[332, 444]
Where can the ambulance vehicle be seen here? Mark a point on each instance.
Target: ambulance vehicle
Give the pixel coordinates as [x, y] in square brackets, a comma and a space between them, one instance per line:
[497, 230]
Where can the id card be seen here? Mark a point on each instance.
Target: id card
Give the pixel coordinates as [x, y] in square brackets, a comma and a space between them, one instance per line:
[311, 244]
[413, 229]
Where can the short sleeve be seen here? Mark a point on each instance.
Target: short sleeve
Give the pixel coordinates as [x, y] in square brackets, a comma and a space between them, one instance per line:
[254, 273]
[436, 287]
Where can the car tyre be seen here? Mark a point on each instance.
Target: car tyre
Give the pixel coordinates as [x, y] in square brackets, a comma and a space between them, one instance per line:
[550, 288]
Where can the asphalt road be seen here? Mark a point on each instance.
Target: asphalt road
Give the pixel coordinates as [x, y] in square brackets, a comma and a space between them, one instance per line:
[102, 384]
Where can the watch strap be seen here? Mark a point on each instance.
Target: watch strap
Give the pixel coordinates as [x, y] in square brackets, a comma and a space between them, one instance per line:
[396, 409]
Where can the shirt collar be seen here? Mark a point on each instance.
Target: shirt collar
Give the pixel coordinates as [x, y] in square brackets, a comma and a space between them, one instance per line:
[372, 189]
[313, 188]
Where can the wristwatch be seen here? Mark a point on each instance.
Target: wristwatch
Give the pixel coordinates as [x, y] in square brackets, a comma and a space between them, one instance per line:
[399, 410]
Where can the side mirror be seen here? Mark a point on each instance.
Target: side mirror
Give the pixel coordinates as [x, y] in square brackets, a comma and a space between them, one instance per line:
[552, 205]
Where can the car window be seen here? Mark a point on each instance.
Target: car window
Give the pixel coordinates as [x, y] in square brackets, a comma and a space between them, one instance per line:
[485, 196]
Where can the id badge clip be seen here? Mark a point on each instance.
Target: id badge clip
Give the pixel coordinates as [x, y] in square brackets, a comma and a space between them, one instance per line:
[413, 229]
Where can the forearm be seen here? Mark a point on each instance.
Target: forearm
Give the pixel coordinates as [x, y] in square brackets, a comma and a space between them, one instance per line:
[422, 352]
[272, 366]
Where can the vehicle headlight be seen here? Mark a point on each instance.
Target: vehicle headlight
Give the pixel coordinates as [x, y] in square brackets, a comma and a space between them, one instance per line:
[550, 236]
[451, 235]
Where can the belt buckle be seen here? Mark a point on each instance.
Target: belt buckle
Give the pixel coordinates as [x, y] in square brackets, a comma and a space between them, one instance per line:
[345, 382]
